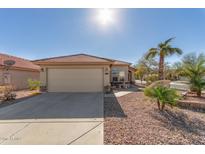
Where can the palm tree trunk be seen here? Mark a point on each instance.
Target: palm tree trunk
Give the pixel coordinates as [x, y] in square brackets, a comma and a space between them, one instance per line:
[158, 104]
[161, 67]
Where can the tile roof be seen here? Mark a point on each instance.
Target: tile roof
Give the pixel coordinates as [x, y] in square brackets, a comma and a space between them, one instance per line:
[19, 62]
[80, 58]
[118, 62]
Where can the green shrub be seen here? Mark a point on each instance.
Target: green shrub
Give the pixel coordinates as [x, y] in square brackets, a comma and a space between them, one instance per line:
[163, 95]
[34, 84]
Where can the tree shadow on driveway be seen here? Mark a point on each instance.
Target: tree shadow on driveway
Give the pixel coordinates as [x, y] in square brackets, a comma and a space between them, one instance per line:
[112, 107]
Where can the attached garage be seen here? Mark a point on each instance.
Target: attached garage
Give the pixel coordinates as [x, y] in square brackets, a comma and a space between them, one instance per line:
[75, 79]
[75, 73]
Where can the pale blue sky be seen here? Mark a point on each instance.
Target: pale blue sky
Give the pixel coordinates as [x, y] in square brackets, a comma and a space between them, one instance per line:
[42, 33]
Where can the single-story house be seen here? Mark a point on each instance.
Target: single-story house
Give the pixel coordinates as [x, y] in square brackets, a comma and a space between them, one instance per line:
[83, 73]
[18, 74]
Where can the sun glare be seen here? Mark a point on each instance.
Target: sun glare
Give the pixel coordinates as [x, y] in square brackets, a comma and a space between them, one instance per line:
[105, 16]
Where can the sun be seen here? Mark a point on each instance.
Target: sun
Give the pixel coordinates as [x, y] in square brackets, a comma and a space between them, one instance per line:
[105, 16]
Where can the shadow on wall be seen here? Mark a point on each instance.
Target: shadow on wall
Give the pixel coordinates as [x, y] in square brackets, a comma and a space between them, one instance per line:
[112, 107]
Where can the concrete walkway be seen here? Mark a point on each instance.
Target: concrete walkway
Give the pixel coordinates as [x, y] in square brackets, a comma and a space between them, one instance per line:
[122, 92]
[54, 118]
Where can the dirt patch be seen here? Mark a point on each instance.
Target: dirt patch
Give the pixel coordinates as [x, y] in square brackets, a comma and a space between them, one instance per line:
[135, 119]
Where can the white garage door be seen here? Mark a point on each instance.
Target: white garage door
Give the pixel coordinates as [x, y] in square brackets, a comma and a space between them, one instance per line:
[75, 80]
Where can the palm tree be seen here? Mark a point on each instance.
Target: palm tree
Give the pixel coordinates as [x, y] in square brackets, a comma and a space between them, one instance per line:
[194, 69]
[163, 49]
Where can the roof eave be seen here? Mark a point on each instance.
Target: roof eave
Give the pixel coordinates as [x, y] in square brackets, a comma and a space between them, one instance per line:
[72, 63]
[21, 68]
[45, 59]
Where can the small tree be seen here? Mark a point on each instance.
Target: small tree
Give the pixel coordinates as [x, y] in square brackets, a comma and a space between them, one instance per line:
[141, 72]
[163, 95]
[150, 65]
[194, 70]
[146, 69]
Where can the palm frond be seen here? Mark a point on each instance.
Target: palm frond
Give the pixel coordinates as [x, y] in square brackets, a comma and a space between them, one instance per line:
[161, 45]
[194, 69]
[151, 53]
[169, 40]
[171, 51]
[166, 49]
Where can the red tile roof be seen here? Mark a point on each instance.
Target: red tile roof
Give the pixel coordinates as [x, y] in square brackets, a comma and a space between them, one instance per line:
[80, 58]
[19, 62]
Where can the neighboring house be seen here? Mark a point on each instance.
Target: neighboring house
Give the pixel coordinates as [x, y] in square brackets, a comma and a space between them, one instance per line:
[83, 73]
[19, 73]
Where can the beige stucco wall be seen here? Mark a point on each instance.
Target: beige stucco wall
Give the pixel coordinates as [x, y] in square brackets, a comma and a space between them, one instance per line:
[106, 72]
[122, 68]
[19, 78]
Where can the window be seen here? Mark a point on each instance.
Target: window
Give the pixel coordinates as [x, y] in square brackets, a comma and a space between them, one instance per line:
[118, 75]
[115, 71]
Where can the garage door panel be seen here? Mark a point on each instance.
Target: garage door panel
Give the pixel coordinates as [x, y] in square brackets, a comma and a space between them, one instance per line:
[75, 80]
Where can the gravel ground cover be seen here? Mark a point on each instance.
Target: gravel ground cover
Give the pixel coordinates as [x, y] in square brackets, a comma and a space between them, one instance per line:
[135, 119]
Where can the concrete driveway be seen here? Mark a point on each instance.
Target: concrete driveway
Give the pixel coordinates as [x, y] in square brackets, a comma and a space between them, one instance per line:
[54, 118]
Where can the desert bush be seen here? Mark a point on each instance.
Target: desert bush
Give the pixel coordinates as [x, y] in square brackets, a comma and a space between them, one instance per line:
[7, 93]
[34, 84]
[163, 95]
